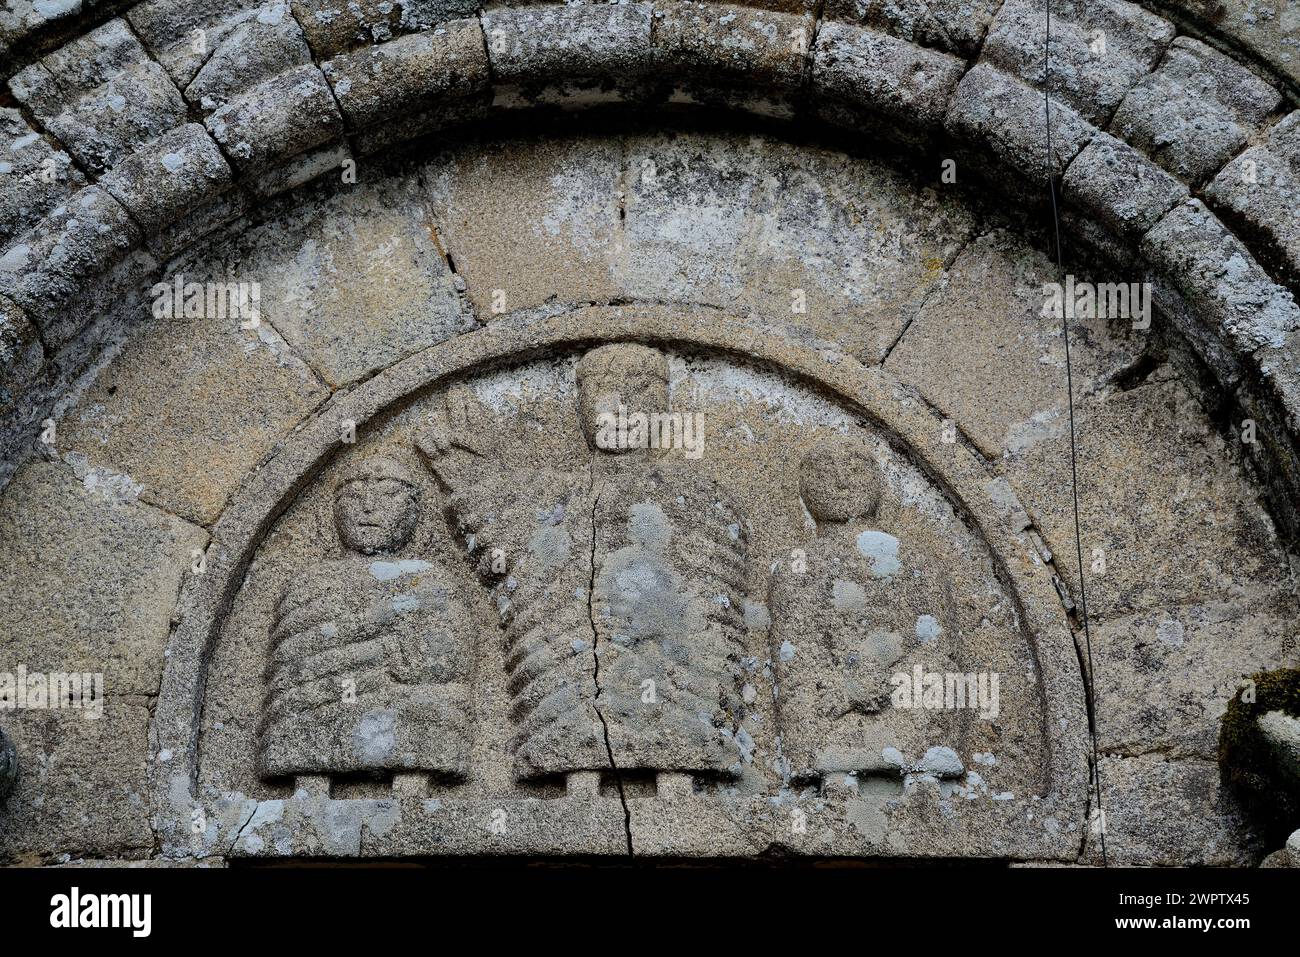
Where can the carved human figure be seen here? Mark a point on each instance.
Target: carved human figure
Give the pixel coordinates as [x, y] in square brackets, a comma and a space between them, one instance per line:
[618, 582]
[370, 658]
[847, 612]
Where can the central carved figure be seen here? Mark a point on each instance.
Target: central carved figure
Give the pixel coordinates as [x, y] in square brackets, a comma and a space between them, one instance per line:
[618, 583]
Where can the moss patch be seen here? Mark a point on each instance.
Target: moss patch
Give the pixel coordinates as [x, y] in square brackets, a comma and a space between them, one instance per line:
[1246, 761]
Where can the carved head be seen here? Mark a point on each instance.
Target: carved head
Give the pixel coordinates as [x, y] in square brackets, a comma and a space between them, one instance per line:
[626, 374]
[840, 481]
[375, 506]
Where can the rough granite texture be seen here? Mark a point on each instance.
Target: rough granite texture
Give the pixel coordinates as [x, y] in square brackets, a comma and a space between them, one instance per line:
[438, 614]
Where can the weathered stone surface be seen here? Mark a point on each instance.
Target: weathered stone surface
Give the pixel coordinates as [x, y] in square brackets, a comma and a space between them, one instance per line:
[21, 353]
[954, 26]
[275, 121]
[410, 74]
[704, 46]
[101, 95]
[1239, 306]
[82, 788]
[335, 26]
[1258, 194]
[169, 177]
[1270, 29]
[546, 43]
[1195, 112]
[254, 51]
[1100, 49]
[104, 602]
[1129, 192]
[45, 268]
[995, 293]
[1008, 119]
[163, 443]
[357, 284]
[34, 175]
[182, 34]
[444, 648]
[568, 632]
[1191, 492]
[1164, 677]
[808, 240]
[564, 196]
[1166, 813]
[883, 76]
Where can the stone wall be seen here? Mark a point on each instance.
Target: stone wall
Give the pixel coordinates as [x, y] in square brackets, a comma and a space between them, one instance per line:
[429, 194]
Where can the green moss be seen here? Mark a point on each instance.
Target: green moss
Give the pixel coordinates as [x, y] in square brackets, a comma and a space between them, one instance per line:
[1246, 761]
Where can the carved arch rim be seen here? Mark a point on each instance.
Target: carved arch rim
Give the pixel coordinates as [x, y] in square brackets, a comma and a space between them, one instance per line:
[868, 392]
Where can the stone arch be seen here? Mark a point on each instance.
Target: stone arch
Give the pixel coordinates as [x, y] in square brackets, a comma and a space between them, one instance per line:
[1220, 259]
[919, 82]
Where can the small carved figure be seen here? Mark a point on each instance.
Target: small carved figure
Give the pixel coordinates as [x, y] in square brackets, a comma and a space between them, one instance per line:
[856, 602]
[619, 586]
[370, 658]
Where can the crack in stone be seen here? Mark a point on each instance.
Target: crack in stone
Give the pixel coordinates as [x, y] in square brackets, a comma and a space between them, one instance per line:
[595, 677]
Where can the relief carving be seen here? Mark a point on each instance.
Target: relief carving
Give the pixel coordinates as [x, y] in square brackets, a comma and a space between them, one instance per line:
[618, 585]
[847, 612]
[370, 653]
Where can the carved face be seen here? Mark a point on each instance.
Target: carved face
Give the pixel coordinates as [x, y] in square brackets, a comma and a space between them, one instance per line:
[839, 481]
[375, 507]
[626, 374]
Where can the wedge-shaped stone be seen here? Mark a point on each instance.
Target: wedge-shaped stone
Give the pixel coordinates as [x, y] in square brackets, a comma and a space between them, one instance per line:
[1259, 195]
[169, 177]
[1100, 48]
[954, 26]
[1009, 119]
[410, 74]
[34, 175]
[1194, 112]
[101, 95]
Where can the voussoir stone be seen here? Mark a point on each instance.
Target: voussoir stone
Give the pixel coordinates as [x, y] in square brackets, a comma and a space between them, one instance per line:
[358, 283]
[182, 34]
[169, 177]
[34, 175]
[954, 26]
[1238, 302]
[335, 26]
[45, 268]
[1195, 111]
[1100, 48]
[164, 441]
[253, 51]
[540, 43]
[995, 291]
[409, 74]
[1258, 194]
[882, 75]
[764, 48]
[1008, 118]
[277, 120]
[101, 95]
[1120, 185]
